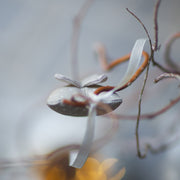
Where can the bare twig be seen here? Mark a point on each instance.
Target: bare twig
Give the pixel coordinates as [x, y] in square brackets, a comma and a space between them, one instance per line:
[167, 75]
[167, 57]
[152, 115]
[144, 84]
[156, 46]
[149, 38]
[75, 37]
[152, 49]
[145, 29]
[160, 66]
[139, 114]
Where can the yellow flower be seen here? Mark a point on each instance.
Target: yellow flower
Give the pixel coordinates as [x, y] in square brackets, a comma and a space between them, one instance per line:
[93, 170]
[59, 169]
[55, 174]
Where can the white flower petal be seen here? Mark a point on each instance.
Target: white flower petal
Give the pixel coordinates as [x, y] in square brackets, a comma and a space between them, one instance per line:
[93, 80]
[67, 80]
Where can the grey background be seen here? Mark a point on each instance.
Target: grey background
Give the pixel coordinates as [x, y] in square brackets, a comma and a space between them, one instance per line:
[35, 39]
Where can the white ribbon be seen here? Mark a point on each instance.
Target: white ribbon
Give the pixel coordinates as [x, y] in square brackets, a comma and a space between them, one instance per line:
[88, 139]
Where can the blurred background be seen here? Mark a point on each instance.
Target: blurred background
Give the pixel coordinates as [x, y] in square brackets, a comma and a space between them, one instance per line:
[35, 39]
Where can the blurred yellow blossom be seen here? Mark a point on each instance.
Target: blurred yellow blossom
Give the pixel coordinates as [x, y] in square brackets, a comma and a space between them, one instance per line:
[97, 171]
[59, 169]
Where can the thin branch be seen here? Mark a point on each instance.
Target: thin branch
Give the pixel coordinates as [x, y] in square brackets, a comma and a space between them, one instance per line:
[160, 66]
[75, 37]
[156, 45]
[144, 84]
[149, 38]
[139, 114]
[142, 90]
[156, 10]
[151, 115]
[145, 29]
[167, 75]
[167, 57]
[153, 49]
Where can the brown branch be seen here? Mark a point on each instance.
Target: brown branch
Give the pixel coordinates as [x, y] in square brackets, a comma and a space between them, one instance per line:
[139, 114]
[143, 87]
[153, 49]
[144, 27]
[151, 115]
[156, 46]
[156, 10]
[167, 75]
[167, 57]
[149, 38]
